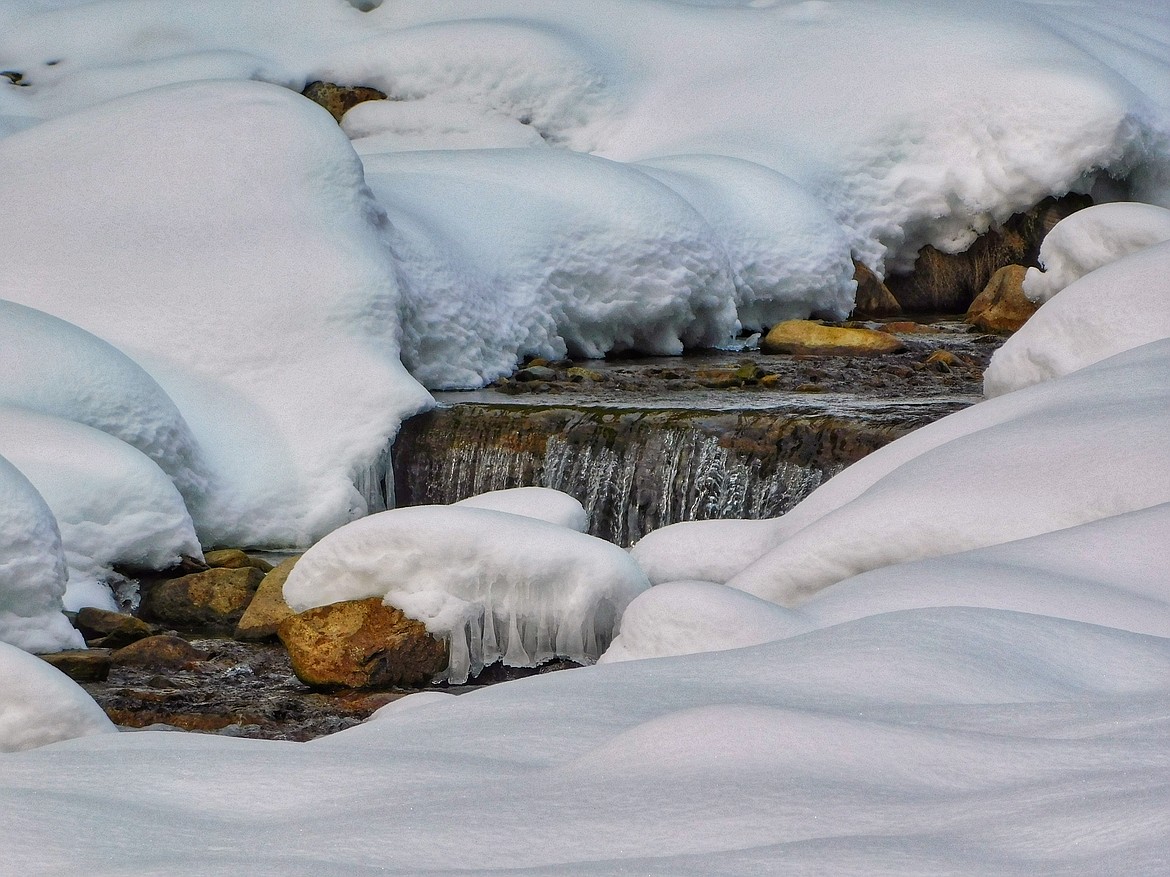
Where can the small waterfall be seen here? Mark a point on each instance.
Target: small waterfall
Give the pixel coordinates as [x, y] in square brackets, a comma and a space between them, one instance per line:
[633, 470]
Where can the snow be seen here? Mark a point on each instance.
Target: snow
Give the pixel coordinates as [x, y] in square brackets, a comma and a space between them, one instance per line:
[245, 269]
[498, 586]
[542, 503]
[112, 504]
[40, 705]
[1091, 238]
[32, 570]
[1117, 307]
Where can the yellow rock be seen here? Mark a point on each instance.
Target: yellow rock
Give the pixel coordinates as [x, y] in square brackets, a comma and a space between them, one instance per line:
[806, 336]
[267, 609]
[1002, 305]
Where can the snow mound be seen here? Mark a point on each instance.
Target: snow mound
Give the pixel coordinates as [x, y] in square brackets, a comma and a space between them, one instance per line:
[1114, 308]
[40, 705]
[56, 368]
[397, 126]
[545, 252]
[542, 503]
[32, 570]
[1091, 238]
[254, 263]
[112, 504]
[678, 618]
[497, 585]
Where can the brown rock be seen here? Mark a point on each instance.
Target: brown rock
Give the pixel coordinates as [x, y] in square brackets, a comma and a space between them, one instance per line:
[159, 653]
[873, 298]
[948, 282]
[1002, 306]
[361, 644]
[906, 327]
[110, 630]
[234, 558]
[213, 600]
[267, 609]
[340, 99]
[806, 337]
[944, 361]
[81, 665]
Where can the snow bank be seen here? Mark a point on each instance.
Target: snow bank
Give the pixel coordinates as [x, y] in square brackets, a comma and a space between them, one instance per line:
[542, 503]
[113, 505]
[1114, 308]
[245, 269]
[499, 586]
[1091, 238]
[678, 618]
[32, 570]
[545, 253]
[40, 705]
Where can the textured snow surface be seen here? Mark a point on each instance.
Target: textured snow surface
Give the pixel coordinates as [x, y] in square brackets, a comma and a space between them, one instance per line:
[542, 503]
[245, 268]
[112, 504]
[32, 569]
[498, 585]
[40, 705]
[1114, 308]
[1090, 238]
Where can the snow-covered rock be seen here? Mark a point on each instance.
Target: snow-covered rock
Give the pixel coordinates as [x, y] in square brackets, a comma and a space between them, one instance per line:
[497, 585]
[222, 237]
[112, 504]
[32, 570]
[40, 705]
[1112, 309]
[1091, 238]
[542, 503]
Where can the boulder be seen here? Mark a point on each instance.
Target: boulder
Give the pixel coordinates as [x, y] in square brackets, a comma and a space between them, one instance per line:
[213, 601]
[267, 609]
[948, 282]
[808, 337]
[340, 99]
[361, 644]
[81, 665]
[1002, 305]
[873, 298]
[161, 652]
[110, 630]
[235, 558]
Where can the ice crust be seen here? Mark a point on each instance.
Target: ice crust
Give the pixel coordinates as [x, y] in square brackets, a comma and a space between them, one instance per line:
[498, 586]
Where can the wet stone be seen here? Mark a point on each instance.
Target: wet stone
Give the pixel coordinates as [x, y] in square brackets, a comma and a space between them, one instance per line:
[81, 665]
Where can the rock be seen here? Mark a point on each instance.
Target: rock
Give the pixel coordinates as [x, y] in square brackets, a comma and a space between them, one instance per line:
[808, 337]
[947, 283]
[535, 373]
[1002, 305]
[163, 652]
[340, 99]
[81, 665]
[361, 644]
[944, 361]
[578, 374]
[905, 327]
[234, 558]
[110, 630]
[214, 600]
[267, 609]
[873, 298]
[749, 372]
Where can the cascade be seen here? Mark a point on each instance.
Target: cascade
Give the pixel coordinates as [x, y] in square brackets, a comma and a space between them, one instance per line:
[635, 470]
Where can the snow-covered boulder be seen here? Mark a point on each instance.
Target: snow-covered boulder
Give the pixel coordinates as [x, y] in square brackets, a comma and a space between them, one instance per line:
[1091, 238]
[40, 705]
[1114, 308]
[112, 504]
[32, 570]
[542, 503]
[497, 585]
[221, 235]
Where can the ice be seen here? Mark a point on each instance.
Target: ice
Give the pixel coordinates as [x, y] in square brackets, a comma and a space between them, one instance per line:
[112, 504]
[40, 705]
[1115, 308]
[499, 586]
[221, 236]
[542, 503]
[32, 570]
[1091, 238]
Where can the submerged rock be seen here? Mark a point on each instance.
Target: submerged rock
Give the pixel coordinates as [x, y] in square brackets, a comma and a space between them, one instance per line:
[361, 644]
[163, 652]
